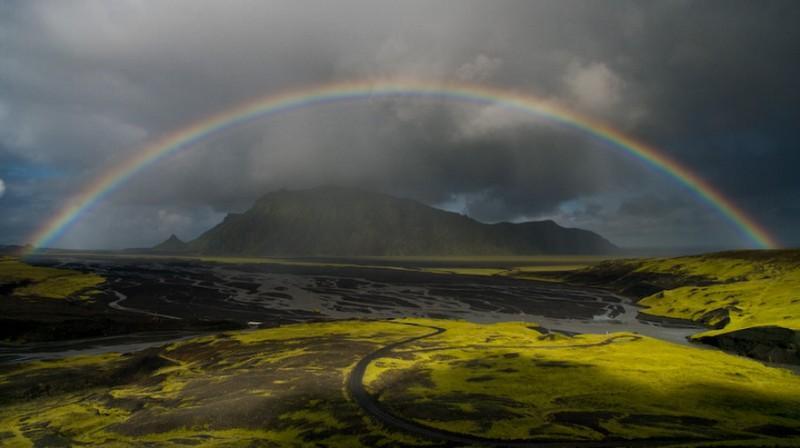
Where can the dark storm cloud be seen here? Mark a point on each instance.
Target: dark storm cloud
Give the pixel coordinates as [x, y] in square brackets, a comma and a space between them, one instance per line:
[85, 83]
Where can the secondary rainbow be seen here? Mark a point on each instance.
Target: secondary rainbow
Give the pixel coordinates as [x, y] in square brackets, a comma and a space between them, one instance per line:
[285, 101]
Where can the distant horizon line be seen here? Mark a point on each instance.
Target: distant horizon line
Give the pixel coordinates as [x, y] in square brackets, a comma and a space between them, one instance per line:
[657, 251]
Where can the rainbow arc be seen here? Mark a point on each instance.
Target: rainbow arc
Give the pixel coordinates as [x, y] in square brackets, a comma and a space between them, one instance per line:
[272, 104]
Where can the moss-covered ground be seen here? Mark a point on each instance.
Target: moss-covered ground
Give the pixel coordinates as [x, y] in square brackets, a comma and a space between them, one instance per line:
[536, 267]
[286, 386]
[25, 280]
[277, 387]
[511, 381]
[729, 290]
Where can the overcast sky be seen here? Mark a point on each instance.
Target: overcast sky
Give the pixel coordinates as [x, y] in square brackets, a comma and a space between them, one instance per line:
[714, 84]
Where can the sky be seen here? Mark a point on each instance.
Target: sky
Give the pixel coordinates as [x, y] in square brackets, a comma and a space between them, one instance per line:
[713, 84]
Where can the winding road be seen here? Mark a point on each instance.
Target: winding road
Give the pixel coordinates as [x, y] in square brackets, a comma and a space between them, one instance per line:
[373, 407]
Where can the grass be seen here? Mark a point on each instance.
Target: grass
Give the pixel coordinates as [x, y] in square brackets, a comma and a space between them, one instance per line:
[509, 381]
[523, 267]
[545, 272]
[285, 386]
[534, 267]
[51, 283]
[518, 260]
[751, 288]
[274, 387]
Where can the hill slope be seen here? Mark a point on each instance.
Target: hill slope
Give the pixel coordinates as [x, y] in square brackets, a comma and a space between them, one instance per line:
[748, 299]
[350, 222]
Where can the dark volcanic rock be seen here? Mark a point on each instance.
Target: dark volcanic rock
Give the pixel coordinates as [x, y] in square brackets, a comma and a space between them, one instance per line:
[718, 318]
[771, 343]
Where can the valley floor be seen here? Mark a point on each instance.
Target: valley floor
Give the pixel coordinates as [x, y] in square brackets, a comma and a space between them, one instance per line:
[356, 354]
[410, 382]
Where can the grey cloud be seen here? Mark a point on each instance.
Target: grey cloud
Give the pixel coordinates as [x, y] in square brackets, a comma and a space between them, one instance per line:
[84, 84]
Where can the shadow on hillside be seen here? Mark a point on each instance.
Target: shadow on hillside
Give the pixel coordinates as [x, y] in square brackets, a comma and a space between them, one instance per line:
[553, 399]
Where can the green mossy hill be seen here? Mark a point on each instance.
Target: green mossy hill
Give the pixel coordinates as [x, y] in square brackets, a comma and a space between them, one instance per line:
[729, 291]
[351, 222]
[511, 381]
[286, 387]
[23, 280]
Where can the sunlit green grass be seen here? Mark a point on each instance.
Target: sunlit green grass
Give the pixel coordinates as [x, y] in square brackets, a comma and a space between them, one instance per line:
[523, 267]
[520, 260]
[45, 282]
[756, 288]
[531, 378]
[285, 386]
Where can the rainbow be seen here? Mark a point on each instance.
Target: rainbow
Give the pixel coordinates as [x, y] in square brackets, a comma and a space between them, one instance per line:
[336, 92]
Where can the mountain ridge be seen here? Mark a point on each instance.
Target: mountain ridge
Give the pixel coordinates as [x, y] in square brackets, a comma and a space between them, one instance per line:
[339, 221]
[171, 244]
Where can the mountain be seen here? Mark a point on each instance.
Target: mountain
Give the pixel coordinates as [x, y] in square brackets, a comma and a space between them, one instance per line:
[173, 244]
[337, 221]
